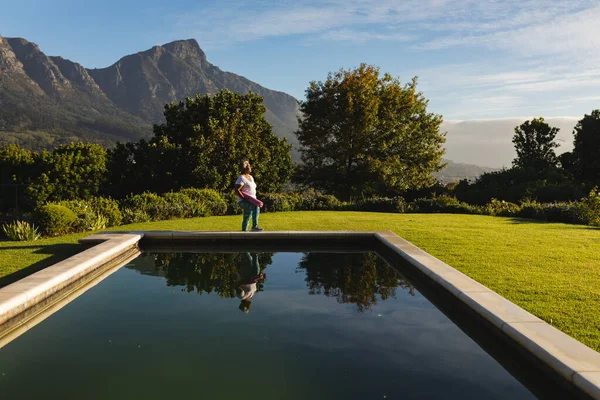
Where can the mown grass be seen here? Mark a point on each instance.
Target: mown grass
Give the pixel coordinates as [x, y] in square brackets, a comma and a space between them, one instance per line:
[551, 270]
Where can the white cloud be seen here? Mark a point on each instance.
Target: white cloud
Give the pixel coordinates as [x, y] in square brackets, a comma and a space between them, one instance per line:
[564, 34]
[348, 35]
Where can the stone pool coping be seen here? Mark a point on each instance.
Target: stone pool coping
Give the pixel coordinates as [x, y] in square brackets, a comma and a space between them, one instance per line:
[569, 358]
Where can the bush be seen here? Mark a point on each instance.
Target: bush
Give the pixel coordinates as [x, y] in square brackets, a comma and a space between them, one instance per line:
[55, 219]
[274, 202]
[382, 204]
[131, 216]
[108, 208]
[151, 204]
[442, 204]
[21, 231]
[311, 200]
[501, 208]
[566, 212]
[94, 212]
[589, 208]
[233, 208]
[210, 201]
[92, 222]
[178, 205]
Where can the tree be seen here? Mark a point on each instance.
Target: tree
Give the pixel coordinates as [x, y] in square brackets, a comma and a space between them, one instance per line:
[202, 143]
[587, 148]
[18, 167]
[535, 143]
[366, 134]
[73, 171]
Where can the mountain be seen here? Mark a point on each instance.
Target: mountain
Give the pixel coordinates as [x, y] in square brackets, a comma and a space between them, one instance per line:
[46, 101]
[454, 172]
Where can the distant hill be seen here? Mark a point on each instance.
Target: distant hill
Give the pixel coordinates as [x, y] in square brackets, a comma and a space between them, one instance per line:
[46, 101]
[454, 172]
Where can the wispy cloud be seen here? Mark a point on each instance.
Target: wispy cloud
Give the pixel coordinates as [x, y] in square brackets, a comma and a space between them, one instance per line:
[348, 35]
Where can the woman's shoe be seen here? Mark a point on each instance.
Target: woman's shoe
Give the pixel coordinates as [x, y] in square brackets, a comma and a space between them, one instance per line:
[257, 229]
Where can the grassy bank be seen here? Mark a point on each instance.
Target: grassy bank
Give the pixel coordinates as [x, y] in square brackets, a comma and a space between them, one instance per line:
[551, 270]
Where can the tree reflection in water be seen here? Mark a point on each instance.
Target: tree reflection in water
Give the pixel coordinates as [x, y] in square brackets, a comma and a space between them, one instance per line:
[358, 278]
[207, 272]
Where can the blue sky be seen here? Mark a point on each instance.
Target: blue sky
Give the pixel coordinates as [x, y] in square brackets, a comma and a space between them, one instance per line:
[476, 59]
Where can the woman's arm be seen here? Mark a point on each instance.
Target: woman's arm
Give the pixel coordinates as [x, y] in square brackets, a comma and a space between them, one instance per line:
[238, 190]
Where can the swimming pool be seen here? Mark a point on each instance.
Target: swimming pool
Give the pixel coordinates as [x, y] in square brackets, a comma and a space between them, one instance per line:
[264, 325]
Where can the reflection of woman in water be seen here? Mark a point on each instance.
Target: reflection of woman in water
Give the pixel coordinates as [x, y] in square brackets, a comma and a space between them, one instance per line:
[250, 275]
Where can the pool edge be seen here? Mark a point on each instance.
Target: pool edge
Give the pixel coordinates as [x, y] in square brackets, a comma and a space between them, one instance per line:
[575, 362]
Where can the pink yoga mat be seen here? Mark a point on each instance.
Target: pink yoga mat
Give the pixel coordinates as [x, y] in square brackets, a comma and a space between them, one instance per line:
[253, 200]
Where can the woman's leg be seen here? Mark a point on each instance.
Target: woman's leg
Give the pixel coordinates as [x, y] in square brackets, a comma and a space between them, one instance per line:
[247, 213]
[255, 214]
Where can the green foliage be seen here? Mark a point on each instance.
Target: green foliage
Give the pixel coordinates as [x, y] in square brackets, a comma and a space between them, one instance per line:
[201, 145]
[73, 171]
[147, 203]
[55, 220]
[92, 222]
[587, 148]
[274, 202]
[133, 216]
[381, 204]
[501, 208]
[233, 207]
[210, 201]
[535, 143]
[18, 166]
[517, 184]
[108, 208]
[441, 204]
[94, 212]
[21, 231]
[366, 134]
[311, 200]
[179, 205]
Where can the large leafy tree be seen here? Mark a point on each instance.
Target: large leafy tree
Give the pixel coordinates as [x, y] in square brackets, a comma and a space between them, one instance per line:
[72, 171]
[201, 145]
[364, 133]
[586, 153]
[535, 143]
[18, 167]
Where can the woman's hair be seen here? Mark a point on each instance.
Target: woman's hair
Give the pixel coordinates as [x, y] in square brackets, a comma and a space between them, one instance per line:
[244, 165]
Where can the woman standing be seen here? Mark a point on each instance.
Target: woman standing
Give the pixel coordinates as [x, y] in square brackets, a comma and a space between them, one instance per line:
[245, 188]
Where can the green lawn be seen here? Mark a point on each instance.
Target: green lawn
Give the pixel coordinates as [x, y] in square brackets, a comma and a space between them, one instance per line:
[551, 270]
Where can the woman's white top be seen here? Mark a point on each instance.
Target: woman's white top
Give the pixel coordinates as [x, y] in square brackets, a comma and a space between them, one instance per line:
[248, 186]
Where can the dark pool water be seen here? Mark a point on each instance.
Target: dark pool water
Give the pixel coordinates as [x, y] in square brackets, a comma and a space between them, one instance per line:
[318, 326]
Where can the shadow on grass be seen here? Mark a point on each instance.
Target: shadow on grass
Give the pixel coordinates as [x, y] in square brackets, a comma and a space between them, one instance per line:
[521, 221]
[57, 252]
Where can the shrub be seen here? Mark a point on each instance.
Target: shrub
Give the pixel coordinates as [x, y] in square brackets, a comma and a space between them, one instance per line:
[131, 216]
[274, 202]
[382, 204]
[589, 208]
[178, 205]
[442, 204]
[55, 219]
[312, 200]
[501, 208]
[92, 222]
[108, 208]
[210, 201]
[90, 212]
[233, 208]
[566, 212]
[153, 205]
[21, 231]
